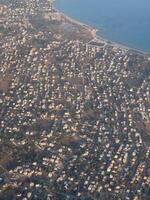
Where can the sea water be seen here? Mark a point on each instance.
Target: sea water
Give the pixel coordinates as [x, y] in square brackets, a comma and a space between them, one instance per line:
[123, 21]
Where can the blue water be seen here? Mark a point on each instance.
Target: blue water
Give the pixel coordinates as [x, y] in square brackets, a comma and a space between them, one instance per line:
[123, 21]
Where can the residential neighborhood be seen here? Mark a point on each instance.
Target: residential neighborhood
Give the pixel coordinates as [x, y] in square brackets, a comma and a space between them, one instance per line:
[74, 115]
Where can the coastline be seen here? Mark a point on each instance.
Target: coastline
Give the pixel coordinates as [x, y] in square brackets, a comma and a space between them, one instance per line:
[76, 22]
[98, 37]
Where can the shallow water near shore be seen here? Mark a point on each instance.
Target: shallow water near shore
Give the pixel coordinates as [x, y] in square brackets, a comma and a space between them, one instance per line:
[126, 22]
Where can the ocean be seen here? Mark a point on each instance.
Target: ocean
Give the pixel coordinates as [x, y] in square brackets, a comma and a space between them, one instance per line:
[123, 21]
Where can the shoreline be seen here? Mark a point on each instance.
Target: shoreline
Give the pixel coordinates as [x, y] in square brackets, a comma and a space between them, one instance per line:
[98, 37]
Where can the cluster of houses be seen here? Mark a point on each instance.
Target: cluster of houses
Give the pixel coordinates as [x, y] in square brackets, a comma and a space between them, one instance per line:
[75, 119]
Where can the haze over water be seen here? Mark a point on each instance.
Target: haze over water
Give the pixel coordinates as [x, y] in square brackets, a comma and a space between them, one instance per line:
[123, 21]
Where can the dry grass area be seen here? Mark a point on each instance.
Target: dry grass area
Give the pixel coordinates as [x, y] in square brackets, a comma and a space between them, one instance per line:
[45, 124]
[61, 25]
[5, 83]
[69, 139]
[147, 126]
[5, 158]
[75, 80]
[140, 125]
